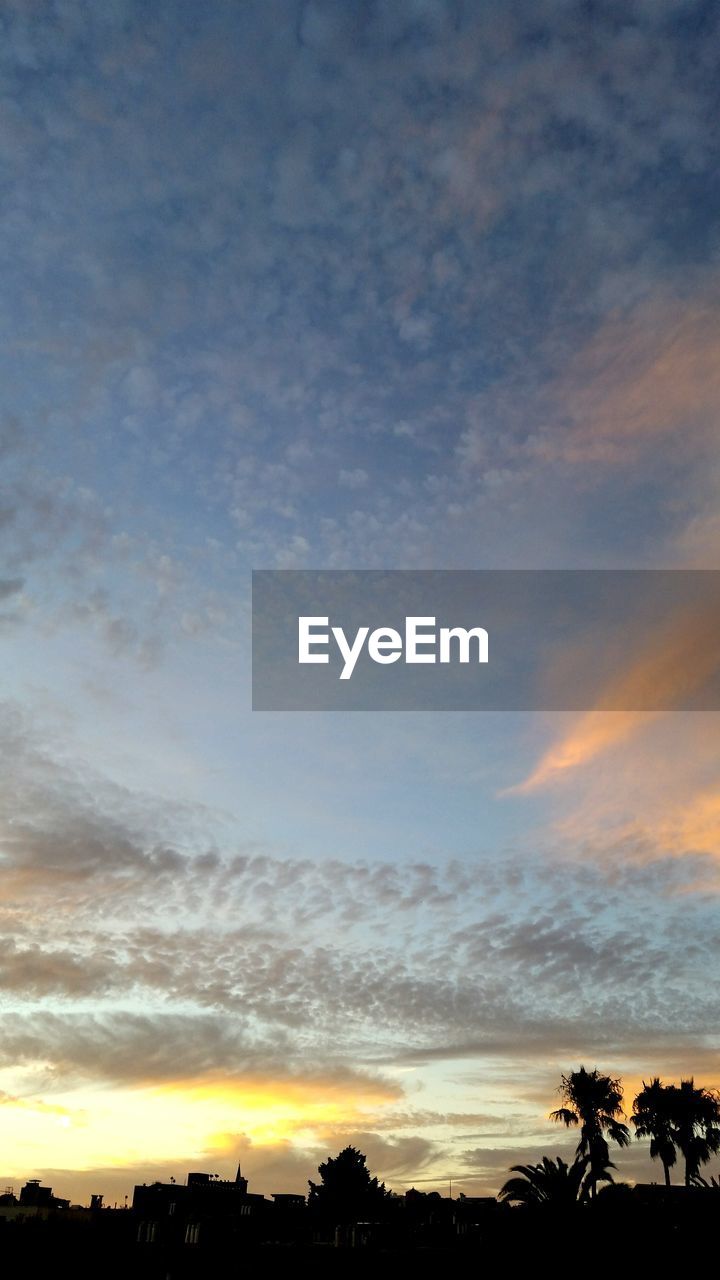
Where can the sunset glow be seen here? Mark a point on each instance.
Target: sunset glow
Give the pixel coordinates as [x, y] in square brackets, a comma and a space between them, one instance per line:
[350, 285]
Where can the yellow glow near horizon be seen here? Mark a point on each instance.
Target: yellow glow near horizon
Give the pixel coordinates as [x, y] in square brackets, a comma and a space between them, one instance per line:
[175, 1122]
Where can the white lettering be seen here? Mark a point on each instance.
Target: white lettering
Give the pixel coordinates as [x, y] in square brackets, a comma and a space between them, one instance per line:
[385, 645]
[350, 653]
[463, 638]
[413, 638]
[305, 639]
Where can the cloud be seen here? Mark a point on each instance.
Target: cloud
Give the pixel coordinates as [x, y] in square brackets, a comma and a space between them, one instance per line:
[461, 254]
[640, 782]
[255, 964]
[398, 1158]
[673, 665]
[356, 478]
[427, 239]
[646, 378]
[187, 1051]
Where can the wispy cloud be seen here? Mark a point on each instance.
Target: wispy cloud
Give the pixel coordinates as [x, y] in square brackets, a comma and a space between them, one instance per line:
[674, 664]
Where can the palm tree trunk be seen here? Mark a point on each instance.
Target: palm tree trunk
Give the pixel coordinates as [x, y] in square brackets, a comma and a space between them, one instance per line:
[666, 1167]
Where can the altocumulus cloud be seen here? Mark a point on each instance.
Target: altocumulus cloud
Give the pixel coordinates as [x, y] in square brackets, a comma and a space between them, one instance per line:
[230, 955]
[317, 263]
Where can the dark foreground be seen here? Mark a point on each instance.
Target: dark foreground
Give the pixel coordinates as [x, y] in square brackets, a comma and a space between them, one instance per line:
[655, 1231]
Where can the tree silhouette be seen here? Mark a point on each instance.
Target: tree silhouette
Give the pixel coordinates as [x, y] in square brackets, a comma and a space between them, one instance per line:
[712, 1185]
[552, 1182]
[696, 1124]
[347, 1192]
[653, 1116]
[595, 1103]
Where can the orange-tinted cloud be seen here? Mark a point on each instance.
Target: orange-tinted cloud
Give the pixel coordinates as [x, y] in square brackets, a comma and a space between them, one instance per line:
[672, 665]
[652, 373]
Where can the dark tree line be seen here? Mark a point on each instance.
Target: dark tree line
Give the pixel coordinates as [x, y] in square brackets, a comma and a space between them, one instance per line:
[679, 1119]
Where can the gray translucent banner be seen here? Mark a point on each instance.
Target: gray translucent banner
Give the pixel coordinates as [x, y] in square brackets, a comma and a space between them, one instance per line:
[501, 640]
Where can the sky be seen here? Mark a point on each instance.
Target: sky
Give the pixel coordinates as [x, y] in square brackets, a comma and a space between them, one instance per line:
[418, 284]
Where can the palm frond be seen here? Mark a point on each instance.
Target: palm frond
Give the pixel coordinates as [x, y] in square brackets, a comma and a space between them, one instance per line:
[565, 1116]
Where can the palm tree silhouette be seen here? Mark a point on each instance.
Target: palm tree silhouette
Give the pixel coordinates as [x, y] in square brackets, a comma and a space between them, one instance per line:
[712, 1185]
[696, 1124]
[551, 1182]
[653, 1115]
[595, 1103]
